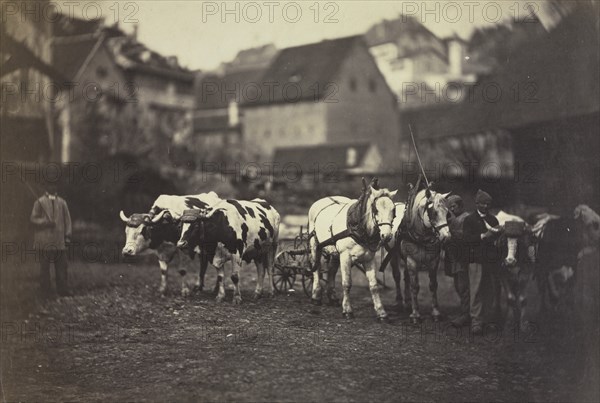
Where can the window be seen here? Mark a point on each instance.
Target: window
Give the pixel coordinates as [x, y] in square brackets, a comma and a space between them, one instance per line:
[351, 157]
[353, 84]
[372, 85]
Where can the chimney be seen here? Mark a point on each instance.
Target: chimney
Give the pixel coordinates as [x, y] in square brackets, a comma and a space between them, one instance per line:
[233, 112]
[455, 56]
[134, 34]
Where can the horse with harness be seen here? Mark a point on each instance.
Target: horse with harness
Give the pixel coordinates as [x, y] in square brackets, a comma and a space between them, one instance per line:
[420, 227]
[350, 231]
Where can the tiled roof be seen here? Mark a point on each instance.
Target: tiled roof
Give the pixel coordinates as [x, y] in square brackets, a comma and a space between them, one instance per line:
[311, 67]
[69, 57]
[133, 55]
[214, 91]
[390, 30]
[551, 78]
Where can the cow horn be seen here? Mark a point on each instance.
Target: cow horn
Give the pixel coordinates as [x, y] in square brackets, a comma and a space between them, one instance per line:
[124, 218]
[159, 216]
[445, 195]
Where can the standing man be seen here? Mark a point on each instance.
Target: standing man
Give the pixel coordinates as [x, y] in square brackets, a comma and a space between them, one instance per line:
[480, 231]
[52, 222]
[457, 259]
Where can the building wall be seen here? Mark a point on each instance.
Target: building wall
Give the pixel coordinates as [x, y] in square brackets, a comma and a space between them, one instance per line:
[164, 91]
[366, 107]
[34, 32]
[282, 125]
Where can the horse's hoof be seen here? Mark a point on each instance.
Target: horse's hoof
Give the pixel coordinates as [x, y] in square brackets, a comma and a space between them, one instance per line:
[415, 320]
[270, 295]
[316, 302]
[237, 300]
[219, 299]
[348, 315]
[185, 293]
[436, 318]
[257, 296]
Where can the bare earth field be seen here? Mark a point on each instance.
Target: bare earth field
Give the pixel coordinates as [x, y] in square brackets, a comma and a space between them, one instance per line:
[117, 339]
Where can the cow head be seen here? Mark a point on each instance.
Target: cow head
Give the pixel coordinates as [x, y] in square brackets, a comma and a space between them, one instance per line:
[144, 231]
[516, 244]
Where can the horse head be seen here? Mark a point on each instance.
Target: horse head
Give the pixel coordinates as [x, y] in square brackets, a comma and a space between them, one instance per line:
[380, 208]
[433, 210]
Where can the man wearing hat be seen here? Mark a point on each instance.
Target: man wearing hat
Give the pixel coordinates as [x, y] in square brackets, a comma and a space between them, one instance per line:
[456, 259]
[52, 221]
[480, 230]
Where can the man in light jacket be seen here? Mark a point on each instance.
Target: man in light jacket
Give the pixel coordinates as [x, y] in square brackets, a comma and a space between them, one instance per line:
[52, 221]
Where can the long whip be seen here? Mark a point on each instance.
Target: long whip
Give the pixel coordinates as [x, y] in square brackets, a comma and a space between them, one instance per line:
[417, 153]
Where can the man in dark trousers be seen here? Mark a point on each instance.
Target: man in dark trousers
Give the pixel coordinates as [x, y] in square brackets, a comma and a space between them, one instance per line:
[480, 231]
[456, 259]
[52, 222]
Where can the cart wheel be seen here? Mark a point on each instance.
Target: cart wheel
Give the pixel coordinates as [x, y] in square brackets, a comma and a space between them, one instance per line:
[307, 284]
[284, 272]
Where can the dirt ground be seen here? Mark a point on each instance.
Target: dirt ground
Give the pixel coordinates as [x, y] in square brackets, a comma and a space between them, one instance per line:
[117, 339]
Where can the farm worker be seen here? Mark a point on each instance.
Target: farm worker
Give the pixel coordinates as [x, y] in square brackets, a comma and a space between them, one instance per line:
[456, 261]
[52, 221]
[480, 230]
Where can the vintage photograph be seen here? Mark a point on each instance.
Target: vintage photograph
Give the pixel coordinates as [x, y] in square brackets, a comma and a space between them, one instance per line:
[300, 201]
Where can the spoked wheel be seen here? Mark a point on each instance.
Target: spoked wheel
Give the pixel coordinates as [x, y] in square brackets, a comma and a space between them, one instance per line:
[284, 272]
[307, 284]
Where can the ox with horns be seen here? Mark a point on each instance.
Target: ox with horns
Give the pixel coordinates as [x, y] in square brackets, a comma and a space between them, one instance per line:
[158, 231]
[234, 230]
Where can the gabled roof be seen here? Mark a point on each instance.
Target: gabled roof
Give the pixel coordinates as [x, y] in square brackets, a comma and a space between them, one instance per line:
[311, 67]
[549, 78]
[70, 57]
[215, 91]
[133, 55]
[388, 31]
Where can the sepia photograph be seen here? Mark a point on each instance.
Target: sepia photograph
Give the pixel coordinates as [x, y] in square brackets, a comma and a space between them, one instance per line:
[300, 201]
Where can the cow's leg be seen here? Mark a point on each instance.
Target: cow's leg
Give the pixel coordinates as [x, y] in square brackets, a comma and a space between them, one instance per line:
[220, 286]
[332, 269]
[524, 278]
[433, 286]
[374, 288]
[397, 279]
[163, 276]
[345, 265]
[203, 267]
[236, 263]
[260, 276]
[411, 265]
[185, 290]
[269, 261]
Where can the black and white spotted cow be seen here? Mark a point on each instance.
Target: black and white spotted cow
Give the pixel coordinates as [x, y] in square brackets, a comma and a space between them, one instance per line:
[234, 230]
[517, 248]
[158, 231]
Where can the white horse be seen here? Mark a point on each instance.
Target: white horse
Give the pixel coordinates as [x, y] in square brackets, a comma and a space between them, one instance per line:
[351, 231]
[417, 242]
